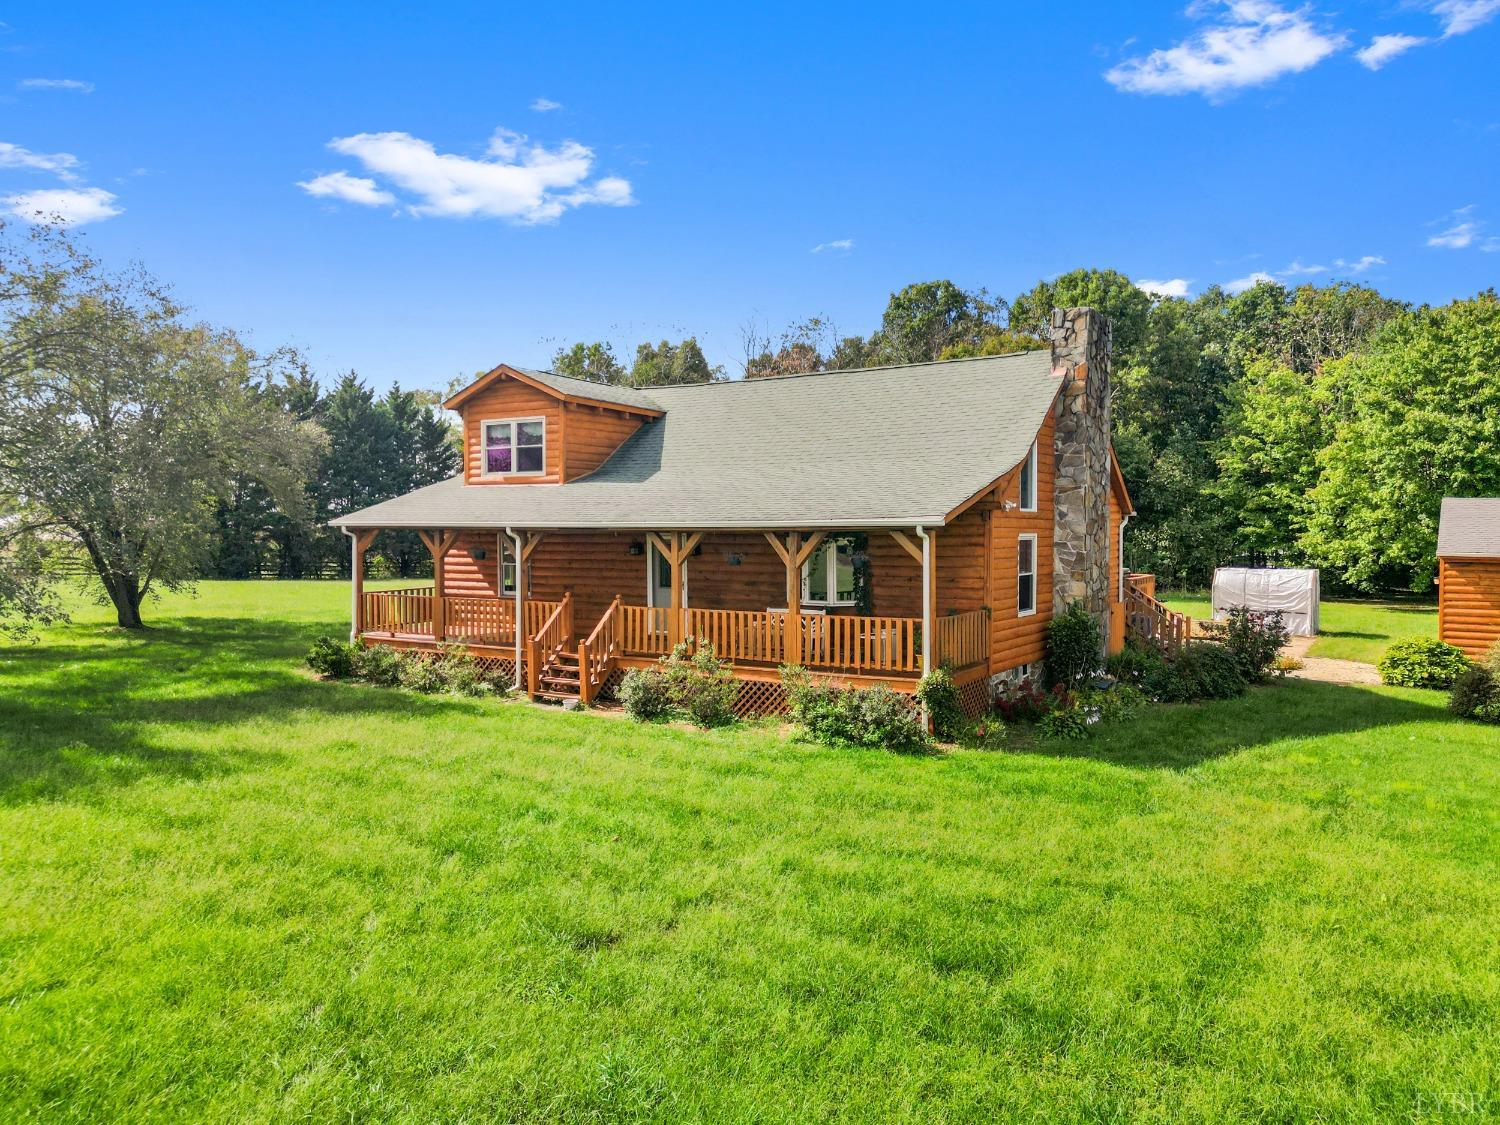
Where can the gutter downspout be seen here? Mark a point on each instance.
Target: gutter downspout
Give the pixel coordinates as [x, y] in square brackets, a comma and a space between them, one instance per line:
[1120, 578]
[353, 585]
[515, 542]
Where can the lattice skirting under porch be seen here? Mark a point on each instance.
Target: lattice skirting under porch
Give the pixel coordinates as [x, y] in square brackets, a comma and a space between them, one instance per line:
[755, 699]
[974, 697]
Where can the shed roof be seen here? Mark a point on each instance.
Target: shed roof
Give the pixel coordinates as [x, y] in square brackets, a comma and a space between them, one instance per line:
[874, 447]
[1469, 528]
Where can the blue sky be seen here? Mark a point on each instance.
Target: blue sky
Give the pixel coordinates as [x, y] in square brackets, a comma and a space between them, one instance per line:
[418, 196]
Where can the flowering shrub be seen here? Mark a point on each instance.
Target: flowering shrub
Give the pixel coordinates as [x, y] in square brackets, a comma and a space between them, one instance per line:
[1027, 701]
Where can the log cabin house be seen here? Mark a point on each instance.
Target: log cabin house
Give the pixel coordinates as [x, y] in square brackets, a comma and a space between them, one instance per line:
[868, 524]
[1468, 554]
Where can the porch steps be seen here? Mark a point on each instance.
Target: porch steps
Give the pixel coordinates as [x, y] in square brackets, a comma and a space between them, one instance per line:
[559, 677]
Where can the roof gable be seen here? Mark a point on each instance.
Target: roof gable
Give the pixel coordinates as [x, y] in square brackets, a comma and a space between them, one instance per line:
[563, 388]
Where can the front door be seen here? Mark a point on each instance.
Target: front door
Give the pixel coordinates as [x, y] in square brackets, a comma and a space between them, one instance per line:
[658, 578]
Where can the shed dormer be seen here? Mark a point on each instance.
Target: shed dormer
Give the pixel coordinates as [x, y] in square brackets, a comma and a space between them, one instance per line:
[533, 427]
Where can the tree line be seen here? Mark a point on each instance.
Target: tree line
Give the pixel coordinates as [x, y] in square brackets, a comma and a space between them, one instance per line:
[1315, 425]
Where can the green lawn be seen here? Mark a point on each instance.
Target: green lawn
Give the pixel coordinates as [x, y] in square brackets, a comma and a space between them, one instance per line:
[1350, 630]
[234, 893]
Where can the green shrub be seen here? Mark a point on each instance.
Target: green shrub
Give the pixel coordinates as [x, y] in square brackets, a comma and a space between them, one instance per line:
[643, 692]
[1118, 703]
[1198, 670]
[1255, 639]
[1476, 695]
[1072, 646]
[874, 716]
[1421, 662]
[332, 658]
[1069, 723]
[1492, 660]
[939, 694]
[419, 673]
[461, 672]
[1134, 663]
[380, 665]
[700, 685]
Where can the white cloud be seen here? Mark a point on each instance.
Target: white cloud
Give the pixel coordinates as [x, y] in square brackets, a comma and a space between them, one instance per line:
[844, 244]
[515, 180]
[1461, 232]
[351, 189]
[1176, 287]
[1383, 48]
[73, 85]
[545, 105]
[63, 165]
[1253, 42]
[1462, 16]
[1297, 269]
[1240, 284]
[65, 206]
[1359, 265]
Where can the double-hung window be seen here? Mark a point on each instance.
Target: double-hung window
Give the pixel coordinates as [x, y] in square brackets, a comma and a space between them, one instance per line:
[828, 574]
[1026, 576]
[515, 447]
[1028, 481]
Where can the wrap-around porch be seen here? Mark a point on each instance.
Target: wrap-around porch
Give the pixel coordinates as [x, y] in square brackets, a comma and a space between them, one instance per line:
[593, 604]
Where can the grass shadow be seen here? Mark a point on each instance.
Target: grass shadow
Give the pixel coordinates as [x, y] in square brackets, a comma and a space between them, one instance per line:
[1181, 736]
[101, 711]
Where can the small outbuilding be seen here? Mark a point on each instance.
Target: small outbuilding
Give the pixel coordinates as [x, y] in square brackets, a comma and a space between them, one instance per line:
[1292, 592]
[1468, 554]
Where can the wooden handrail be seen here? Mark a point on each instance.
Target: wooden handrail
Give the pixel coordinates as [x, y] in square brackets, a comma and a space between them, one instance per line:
[1150, 620]
[550, 637]
[598, 652]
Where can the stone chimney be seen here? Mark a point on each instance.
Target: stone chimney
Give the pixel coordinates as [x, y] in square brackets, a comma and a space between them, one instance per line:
[1080, 542]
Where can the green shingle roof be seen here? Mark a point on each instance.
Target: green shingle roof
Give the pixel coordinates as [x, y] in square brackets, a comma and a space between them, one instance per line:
[878, 447]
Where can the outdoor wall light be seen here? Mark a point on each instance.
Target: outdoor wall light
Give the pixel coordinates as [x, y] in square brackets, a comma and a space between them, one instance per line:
[734, 560]
[637, 547]
[476, 553]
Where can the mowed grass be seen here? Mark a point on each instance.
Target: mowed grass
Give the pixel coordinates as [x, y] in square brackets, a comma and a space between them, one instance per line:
[1349, 630]
[231, 892]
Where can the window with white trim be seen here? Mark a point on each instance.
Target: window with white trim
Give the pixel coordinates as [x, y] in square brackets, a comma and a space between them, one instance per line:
[1026, 575]
[1028, 481]
[828, 574]
[514, 447]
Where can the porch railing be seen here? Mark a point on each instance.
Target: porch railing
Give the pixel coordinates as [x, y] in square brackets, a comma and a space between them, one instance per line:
[961, 639]
[739, 634]
[409, 612]
[860, 644]
[550, 638]
[643, 630]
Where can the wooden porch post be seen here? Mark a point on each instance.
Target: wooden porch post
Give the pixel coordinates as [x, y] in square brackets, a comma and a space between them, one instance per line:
[439, 543]
[359, 543]
[929, 594]
[676, 546]
[792, 645]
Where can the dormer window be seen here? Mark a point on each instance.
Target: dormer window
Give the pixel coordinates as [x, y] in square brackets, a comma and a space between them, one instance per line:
[515, 447]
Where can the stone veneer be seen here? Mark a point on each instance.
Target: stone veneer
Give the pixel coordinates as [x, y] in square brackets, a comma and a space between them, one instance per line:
[1080, 544]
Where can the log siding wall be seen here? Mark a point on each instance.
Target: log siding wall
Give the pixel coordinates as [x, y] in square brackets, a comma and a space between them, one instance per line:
[1469, 603]
[579, 438]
